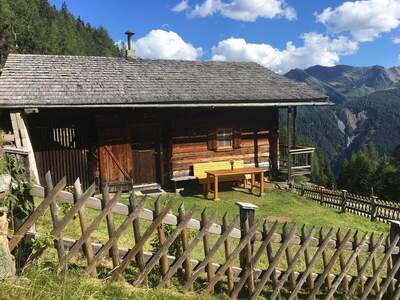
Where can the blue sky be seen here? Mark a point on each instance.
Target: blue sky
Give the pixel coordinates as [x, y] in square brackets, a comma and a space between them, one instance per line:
[362, 33]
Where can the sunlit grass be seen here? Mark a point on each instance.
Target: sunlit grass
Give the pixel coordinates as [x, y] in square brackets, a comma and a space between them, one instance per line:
[275, 205]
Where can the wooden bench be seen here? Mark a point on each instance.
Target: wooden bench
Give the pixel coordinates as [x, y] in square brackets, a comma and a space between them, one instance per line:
[176, 180]
[199, 171]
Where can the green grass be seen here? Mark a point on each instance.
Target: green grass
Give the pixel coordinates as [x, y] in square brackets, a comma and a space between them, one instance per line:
[274, 205]
[282, 206]
[41, 282]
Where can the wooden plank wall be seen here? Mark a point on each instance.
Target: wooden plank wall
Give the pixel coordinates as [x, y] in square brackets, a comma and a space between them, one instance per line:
[190, 132]
[182, 135]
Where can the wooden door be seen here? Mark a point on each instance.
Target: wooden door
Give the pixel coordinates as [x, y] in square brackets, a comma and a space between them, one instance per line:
[144, 165]
[115, 156]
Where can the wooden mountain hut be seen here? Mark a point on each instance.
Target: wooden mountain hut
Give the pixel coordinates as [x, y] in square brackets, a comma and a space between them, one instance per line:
[132, 122]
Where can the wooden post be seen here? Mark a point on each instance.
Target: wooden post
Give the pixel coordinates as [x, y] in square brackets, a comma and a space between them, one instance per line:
[395, 231]
[136, 232]
[187, 265]
[247, 215]
[262, 184]
[302, 189]
[289, 142]
[344, 201]
[273, 139]
[23, 140]
[105, 199]
[206, 246]
[294, 127]
[321, 191]
[161, 237]
[373, 208]
[87, 246]
[216, 183]
[227, 248]
[161, 163]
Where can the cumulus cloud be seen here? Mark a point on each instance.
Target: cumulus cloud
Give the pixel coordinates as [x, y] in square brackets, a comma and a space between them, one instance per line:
[317, 49]
[365, 20]
[165, 45]
[241, 10]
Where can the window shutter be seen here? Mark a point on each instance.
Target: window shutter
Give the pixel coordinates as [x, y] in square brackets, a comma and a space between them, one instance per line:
[212, 140]
[237, 138]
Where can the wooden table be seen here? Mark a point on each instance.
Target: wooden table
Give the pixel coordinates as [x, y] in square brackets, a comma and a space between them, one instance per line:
[240, 171]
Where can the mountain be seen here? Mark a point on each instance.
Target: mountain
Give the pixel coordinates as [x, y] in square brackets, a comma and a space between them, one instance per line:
[367, 109]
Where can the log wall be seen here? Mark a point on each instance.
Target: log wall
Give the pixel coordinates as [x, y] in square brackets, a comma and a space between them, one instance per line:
[190, 134]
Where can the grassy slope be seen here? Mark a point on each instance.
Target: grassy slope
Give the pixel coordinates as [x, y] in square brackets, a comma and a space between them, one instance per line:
[41, 282]
[275, 205]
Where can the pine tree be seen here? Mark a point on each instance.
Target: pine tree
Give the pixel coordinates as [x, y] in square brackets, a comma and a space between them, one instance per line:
[35, 26]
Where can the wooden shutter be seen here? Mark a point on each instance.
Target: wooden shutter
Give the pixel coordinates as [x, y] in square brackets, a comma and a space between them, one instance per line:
[237, 138]
[212, 140]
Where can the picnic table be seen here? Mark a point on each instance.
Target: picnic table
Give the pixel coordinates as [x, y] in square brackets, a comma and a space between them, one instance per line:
[216, 174]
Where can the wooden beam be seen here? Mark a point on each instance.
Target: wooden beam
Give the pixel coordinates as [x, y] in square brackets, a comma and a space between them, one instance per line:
[294, 127]
[23, 140]
[289, 142]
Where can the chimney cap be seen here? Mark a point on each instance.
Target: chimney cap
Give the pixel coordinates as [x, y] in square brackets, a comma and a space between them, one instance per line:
[129, 33]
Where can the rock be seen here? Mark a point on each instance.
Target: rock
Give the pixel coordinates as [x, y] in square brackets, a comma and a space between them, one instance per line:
[5, 185]
[7, 261]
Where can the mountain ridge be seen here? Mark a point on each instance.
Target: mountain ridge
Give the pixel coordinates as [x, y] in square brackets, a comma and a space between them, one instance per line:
[367, 109]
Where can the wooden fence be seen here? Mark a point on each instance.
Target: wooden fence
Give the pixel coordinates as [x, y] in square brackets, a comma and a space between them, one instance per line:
[240, 256]
[370, 207]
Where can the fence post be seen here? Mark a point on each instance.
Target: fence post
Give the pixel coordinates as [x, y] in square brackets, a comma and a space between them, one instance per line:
[395, 231]
[344, 201]
[373, 208]
[302, 189]
[321, 191]
[247, 216]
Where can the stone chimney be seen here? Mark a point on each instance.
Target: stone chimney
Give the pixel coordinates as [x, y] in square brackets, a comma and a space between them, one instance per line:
[130, 53]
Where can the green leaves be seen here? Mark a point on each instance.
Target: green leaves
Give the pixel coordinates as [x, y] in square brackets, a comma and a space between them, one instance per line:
[20, 186]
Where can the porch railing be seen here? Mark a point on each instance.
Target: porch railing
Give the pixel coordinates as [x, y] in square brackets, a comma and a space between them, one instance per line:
[301, 160]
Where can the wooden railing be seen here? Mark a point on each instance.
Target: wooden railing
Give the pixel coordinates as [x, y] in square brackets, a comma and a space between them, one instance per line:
[370, 207]
[301, 160]
[275, 260]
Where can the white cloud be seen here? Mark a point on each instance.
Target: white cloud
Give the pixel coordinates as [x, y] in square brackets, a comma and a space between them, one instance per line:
[317, 49]
[181, 6]
[365, 20]
[241, 10]
[396, 40]
[165, 45]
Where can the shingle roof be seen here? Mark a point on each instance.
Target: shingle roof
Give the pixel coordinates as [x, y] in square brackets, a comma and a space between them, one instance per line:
[49, 80]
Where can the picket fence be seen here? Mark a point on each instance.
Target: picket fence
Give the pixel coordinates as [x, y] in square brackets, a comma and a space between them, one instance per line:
[370, 207]
[259, 259]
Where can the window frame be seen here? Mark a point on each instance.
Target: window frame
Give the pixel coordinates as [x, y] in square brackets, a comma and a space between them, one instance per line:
[225, 132]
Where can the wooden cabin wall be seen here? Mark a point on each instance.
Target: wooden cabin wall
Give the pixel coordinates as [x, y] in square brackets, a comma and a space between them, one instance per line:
[111, 139]
[190, 132]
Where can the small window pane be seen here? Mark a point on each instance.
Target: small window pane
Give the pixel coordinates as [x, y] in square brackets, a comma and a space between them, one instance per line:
[225, 138]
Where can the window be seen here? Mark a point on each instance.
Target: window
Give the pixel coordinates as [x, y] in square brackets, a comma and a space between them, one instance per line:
[224, 139]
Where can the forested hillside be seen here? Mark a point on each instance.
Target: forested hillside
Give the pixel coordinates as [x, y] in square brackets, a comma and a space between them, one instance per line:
[367, 110]
[35, 26]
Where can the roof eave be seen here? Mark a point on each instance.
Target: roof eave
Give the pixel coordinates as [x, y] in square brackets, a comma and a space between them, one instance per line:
[175, 105]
